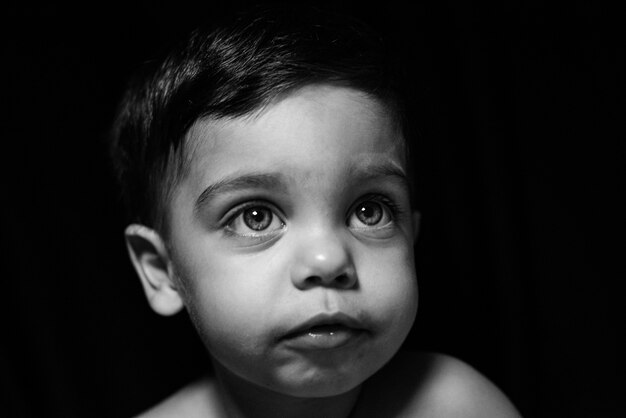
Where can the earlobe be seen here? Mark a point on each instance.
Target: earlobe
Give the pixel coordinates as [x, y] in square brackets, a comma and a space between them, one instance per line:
[416, 224]
[152, 262]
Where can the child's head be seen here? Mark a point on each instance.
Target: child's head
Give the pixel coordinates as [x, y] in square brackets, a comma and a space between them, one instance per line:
[266, 162]
[234, 71]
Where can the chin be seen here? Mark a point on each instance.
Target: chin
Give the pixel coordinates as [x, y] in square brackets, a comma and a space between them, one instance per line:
[321, 391]
[321, 385]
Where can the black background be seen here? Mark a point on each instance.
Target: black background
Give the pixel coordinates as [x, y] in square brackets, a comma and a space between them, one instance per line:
[521, 169]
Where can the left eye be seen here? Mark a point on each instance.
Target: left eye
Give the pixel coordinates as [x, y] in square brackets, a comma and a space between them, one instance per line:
[254, 220]
[368, 214]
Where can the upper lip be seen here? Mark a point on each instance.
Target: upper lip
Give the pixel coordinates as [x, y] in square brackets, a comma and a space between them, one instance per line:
[338, 318]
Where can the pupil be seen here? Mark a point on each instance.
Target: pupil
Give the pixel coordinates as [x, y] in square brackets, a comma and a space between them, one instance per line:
[257, 218]
[369, 213]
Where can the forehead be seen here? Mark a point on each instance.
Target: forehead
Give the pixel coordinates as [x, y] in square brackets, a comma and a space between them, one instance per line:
[315, 132]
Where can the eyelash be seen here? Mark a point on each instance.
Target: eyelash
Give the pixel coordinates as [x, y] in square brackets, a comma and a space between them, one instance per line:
[238, 211]
[394, 209]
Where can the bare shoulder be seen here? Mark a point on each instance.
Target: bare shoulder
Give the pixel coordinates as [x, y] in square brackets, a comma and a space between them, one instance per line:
[459, 389]
[432, 385]
[196, 399]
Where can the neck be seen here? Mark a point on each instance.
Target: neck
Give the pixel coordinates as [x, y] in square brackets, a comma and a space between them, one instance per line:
[242, 399]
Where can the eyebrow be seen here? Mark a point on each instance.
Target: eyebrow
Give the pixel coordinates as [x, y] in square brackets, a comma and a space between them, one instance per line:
[239, 182]
[373, 171]
[273, 181]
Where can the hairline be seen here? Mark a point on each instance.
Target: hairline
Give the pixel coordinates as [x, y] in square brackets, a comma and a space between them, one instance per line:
[179, 161]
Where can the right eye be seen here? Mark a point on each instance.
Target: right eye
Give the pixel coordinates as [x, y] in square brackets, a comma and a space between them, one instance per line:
[254, 221]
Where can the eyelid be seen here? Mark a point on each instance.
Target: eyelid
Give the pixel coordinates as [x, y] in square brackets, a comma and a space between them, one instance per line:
[252, 238]
[238, 209]
[394, 209]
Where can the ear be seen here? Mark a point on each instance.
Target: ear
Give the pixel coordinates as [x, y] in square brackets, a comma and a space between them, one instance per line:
[151, 260]
[416, 217]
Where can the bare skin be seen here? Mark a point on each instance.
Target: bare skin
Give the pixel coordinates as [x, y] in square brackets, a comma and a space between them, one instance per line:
[411, 385]
[291, 247]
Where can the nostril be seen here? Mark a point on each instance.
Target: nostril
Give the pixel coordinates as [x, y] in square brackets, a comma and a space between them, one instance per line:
[314, 280]
[342, 279]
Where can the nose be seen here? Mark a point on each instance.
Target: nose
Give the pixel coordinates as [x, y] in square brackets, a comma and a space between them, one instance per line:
[322, 258]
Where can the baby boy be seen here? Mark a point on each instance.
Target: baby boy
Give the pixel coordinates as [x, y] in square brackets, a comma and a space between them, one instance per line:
[264, 164]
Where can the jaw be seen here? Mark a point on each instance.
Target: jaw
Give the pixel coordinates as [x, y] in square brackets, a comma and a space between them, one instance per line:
[243, 398]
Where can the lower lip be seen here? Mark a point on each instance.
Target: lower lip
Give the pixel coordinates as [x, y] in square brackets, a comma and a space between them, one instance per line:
[324, 338]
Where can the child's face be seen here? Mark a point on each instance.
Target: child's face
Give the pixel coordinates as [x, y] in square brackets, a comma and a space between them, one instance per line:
[292, 239]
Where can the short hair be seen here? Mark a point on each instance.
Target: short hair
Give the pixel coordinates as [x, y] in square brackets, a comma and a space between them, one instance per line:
[233, 70]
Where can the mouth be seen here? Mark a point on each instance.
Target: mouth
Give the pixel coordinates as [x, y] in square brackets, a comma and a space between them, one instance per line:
[324, 332]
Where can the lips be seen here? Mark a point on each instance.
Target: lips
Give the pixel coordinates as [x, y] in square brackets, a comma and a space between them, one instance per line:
[324, 332]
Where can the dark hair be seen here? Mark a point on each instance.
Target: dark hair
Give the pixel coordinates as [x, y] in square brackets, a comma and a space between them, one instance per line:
[230, 71]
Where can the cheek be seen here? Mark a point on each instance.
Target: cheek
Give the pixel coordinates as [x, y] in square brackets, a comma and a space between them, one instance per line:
[390, 285]
[226, 301]
[233, 303]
